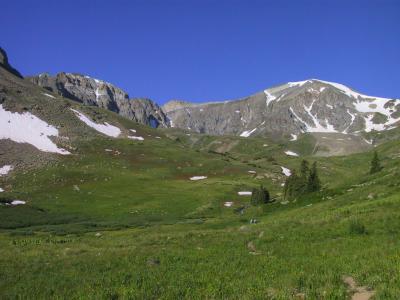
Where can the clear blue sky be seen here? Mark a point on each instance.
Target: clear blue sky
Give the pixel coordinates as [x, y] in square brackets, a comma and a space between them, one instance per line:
[208, 49]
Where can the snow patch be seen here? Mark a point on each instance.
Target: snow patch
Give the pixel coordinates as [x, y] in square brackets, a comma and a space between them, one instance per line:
[105, 128]
[244, 193]
[27, 128]
[228, 204]
[353, 117]
[317, 126]
[139, 138]
[346, 90]
[269, 97]
[286, 171]
[291, 153]
[298, 83]
[48, 95]
[376, 106]
[17, 202]
[247, 133]
[198, 178]
[4, 170]
[294, 137]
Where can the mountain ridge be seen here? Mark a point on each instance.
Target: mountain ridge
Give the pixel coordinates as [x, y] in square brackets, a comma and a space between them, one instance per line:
[96, 92]
[289, 109]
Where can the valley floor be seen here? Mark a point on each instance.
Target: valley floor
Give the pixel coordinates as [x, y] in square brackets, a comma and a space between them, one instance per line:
[129, 224]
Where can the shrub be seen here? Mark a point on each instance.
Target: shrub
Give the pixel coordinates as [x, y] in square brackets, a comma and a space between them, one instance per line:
[356, 227]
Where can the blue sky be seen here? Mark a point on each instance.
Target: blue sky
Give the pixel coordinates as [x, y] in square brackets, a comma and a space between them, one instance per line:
[208, 49]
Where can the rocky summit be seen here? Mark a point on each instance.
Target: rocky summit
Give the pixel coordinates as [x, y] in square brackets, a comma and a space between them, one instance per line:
[289, 109]
[94, 92]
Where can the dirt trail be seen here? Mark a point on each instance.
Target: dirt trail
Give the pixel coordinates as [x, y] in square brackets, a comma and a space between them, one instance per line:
[359, 292]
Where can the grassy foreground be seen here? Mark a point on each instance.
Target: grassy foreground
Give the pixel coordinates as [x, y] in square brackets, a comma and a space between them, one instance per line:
[129, 224]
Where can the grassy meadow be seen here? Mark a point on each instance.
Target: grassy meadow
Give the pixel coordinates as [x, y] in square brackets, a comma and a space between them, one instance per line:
[120, 219]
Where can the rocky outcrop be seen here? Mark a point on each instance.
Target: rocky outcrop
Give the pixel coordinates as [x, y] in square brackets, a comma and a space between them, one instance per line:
[176, 104]
[94, 92]
[290, 109]
[5, 64]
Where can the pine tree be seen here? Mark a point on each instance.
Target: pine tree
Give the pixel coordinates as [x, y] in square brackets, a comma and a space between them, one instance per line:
[265, 197]
[293, 186]
[313, 183]
[375, 164]
[304, 176]
[254, 197]
[259, 196]
[304, 170]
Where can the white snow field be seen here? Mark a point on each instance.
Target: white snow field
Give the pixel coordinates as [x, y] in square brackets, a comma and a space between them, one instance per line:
[27, 128]
[107, 129]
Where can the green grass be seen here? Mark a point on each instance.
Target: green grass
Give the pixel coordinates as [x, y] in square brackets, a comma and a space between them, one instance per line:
[164, 236]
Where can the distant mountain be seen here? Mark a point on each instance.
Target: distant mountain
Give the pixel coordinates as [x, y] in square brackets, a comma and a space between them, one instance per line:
[94, 92]
[310, 106]
[289, 109]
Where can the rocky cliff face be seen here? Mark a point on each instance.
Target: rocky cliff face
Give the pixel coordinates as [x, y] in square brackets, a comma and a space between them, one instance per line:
[94, 92]
[290, 109]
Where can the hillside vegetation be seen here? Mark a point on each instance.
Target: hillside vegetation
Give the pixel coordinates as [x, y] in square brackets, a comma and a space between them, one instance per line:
[128, 223]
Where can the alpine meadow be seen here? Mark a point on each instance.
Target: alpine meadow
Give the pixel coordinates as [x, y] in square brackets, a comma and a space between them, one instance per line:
[291, 192]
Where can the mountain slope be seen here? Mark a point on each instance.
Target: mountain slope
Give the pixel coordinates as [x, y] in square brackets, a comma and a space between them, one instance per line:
[94, 92]
[6, 65]
[290, 109]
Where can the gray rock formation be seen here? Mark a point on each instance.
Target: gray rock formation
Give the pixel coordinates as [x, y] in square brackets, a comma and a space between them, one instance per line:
[289, 109]
[94, 92]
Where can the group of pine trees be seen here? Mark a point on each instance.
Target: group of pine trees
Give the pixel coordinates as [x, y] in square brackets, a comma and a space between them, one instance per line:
[307, 181]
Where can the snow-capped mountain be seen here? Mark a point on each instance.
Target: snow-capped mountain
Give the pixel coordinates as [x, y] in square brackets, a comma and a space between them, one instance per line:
[290, 109]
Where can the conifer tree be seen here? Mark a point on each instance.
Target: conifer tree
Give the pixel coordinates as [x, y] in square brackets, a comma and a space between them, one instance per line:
[259, 196]
[375, 164]
[265, 197]
[314, 183]
[304, 176]
[255, 195]
[293, 186]
[304, 169]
